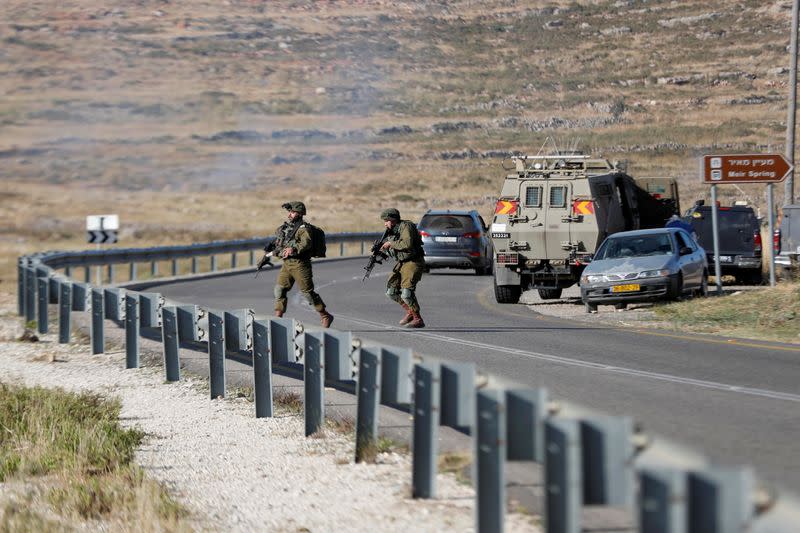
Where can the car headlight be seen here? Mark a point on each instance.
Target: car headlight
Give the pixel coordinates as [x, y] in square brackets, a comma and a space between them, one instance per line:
[654, 274]
[592, 278]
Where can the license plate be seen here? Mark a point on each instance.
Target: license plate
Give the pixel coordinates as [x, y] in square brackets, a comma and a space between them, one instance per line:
[725, 259]
[631, 287]
[445, 239]
[501, 235]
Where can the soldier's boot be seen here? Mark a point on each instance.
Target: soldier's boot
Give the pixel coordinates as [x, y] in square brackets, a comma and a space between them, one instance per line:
[326, 319]
[416, 321]
[278, 313]
[409, 315]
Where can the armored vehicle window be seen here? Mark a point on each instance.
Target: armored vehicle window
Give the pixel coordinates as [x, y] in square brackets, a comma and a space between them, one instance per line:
[558, 196]
[447, 222]
[533, 197]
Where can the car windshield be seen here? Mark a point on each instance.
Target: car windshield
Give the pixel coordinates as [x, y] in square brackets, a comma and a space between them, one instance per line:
[635, 246]
[447, 222]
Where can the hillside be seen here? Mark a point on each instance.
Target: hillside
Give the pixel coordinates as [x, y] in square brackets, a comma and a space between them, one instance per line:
[227, 108]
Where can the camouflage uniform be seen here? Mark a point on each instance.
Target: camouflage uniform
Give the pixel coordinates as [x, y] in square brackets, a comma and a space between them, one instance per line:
[296, 267]
[406, 247]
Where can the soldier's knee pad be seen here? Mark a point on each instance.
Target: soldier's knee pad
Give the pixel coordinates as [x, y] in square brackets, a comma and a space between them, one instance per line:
[309, 296]
[393, 294]
[279, 292]
[408, 296]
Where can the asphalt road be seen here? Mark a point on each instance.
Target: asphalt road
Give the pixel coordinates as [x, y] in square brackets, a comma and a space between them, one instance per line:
[736, 401]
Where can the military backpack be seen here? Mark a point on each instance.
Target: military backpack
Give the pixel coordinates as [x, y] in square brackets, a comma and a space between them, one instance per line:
[318, 246]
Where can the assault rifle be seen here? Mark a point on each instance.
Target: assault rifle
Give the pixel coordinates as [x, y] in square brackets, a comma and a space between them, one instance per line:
[376, 255]
[269, 252]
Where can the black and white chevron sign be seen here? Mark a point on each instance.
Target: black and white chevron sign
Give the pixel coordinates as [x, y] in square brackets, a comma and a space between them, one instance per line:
[108, 236]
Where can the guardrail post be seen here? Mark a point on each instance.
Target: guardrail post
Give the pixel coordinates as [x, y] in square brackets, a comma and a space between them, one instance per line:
[662, 500]
[20, 287]
[341, 249]
[68, 271]
[98, 313]
[132, 274]
[607, 461]
[64, 309]
[368, 397]
[562, 476]
[427, 395]
[362, 248]
[110, 273]
[43, 293]
[153, 268]
[174, 267]
[216, 354]
[720, 499]
[262, 369]
[169, 339]
[194, 265]
[314, 381]
[131, 330]
[87, 274]
[233, 260]
[252, 257]
[490, 459]
[30, 295]
[213, 263]
[528, 409]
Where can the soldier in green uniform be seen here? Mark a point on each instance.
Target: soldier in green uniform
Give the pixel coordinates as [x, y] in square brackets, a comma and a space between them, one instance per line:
[404, 244]
[293, 245]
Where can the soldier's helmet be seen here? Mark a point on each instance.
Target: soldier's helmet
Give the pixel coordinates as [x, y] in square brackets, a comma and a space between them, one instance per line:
[390, 214]
[298, 207]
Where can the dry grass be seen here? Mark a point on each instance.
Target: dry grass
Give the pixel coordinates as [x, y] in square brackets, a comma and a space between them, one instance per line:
[768, 314]
[68, 464]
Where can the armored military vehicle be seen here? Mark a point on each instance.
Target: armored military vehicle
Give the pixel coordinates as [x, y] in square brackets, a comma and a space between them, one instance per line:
[555, 210]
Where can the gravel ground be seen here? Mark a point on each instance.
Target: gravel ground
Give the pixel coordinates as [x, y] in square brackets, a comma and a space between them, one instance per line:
[235, 472]
[570, 306]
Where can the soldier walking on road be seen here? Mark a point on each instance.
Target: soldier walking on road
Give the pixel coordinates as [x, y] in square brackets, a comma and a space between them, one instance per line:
[293, 244]
[404, 244]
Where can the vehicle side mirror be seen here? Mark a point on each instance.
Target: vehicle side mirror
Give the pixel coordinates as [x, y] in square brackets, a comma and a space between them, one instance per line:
[587, 259]
[685, 250]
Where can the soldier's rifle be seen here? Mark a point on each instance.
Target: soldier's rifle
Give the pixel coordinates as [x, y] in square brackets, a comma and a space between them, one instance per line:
[377, 256]
[269, 251]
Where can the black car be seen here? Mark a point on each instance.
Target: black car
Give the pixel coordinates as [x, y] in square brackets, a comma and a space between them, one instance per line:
[739, 239]
[456, 239]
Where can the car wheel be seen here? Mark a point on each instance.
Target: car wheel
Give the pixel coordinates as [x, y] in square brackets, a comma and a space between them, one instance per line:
[703, 291]
[549, 294]
[590, 307]
[482, 271]
[507, 294]
[677, 289]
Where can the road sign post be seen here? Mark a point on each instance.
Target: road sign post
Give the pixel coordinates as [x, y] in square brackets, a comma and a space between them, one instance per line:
[744, 168]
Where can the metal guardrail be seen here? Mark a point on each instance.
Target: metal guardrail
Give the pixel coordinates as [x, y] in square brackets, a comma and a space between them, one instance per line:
[586, 459]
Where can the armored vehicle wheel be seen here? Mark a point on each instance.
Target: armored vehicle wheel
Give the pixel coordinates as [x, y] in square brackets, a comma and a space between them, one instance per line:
[750, 278]
[549, 294]
[507, 294]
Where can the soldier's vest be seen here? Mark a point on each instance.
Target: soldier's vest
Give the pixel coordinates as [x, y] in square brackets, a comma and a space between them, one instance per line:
[287, 238]
[416, 252]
